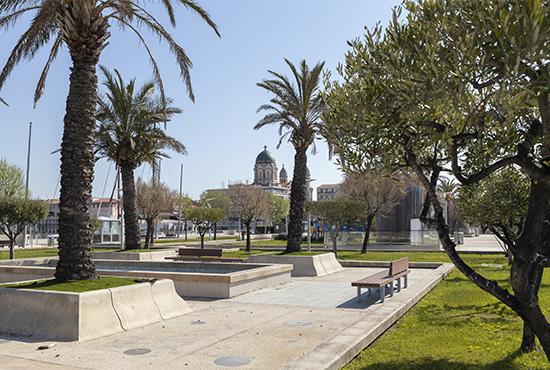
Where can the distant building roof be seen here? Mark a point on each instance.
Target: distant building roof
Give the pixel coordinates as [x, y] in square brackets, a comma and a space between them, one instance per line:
[265, 157]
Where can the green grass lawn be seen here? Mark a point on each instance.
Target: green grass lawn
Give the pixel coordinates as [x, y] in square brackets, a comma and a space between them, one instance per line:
[75, 286]
[456, 326]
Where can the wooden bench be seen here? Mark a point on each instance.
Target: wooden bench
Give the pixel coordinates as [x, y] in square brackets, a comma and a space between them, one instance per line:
[204, 254]
[398, 269]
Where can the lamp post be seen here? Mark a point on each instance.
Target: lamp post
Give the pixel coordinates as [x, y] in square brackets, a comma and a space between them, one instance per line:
[179, 210]
[309, 216]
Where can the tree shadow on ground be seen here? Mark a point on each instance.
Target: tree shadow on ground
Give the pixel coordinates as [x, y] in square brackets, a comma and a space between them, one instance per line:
[442, 364]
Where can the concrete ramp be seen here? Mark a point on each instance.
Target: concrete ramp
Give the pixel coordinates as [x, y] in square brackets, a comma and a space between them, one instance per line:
[84, 316]
[316, 265]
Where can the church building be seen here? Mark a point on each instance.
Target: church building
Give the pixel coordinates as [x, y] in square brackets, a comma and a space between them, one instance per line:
[265, 175]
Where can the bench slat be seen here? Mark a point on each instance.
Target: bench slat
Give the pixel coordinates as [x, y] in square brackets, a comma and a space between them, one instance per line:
[207, 259]
[398, 269]
[210, 252]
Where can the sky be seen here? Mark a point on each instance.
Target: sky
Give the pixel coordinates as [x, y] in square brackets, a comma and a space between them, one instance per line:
[217, 130]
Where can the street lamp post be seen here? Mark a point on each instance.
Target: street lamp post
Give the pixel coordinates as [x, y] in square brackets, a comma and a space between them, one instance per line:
[309, 216]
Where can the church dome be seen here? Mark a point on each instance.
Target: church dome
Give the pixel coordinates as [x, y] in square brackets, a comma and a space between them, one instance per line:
[265, 157]
[283, 172]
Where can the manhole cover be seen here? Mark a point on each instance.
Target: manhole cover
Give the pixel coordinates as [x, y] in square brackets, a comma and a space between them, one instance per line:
[232, 361]
[198, 322]
[137, 351]
[298, 323]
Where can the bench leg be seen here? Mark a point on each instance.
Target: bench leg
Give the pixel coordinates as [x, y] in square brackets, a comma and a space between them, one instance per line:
[390, 285]
[359, 294]
[382, 293]
[405, 278]
[370, 291]
[398, 284]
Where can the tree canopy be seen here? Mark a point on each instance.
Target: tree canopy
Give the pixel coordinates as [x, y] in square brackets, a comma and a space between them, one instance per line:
[17, 208]
[249, 204]
[460, 87]
[334, 214]
[83, 28]
[152, 199]
[297, 106]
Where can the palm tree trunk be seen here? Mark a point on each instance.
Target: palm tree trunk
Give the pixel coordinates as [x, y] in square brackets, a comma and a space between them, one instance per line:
[131, 225]
[297, 201]
[77, 172]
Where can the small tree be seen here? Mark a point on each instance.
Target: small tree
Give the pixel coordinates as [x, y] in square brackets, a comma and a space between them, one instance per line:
[152, 199]
[498, 202]
[279, 207]
[183, 202]
[17, 209]
[336, 213]
[96, 224]
[216, 199]
[204, 218]
[377, 192]
[249, 204]
[11, 180]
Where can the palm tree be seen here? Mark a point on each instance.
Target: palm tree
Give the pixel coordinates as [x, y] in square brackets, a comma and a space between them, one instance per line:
[127, 134]
[297, 109]
[83, 27]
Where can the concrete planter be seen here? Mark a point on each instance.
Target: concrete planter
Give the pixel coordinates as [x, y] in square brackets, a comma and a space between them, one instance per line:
[85, 316]
[136, 256]
[210, 279]
[317, 265]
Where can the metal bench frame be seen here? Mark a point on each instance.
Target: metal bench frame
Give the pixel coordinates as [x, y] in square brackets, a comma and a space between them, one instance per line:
[398, 269]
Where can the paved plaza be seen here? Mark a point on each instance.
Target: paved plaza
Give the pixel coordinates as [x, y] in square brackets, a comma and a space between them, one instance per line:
[309, 323]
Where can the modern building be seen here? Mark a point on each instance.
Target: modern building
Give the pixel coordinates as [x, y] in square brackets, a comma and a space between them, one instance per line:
[328, 192]
[50, 224]
[106, 209]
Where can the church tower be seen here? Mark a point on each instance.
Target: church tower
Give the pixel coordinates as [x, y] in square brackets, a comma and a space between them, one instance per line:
[283, 176]
[265, 169]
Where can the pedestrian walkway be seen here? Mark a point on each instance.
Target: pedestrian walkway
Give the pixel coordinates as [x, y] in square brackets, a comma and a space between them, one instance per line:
[310, 323]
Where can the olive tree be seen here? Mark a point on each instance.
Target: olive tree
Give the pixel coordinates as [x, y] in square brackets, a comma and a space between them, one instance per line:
[378, 192]
[249, 204]
[459, 87]
[334, 214]
[216, 199]
[153, 199]
[204, 218]
[17, 208]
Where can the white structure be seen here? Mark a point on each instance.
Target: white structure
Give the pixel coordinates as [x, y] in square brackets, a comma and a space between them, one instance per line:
[328, 192]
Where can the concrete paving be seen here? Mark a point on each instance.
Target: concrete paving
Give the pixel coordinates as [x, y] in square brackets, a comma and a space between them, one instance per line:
[309, 323]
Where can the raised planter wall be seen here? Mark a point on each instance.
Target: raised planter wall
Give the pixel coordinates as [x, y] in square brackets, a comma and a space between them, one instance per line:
[66, 316]
[316, 265]
[136, 256]
[241, 277]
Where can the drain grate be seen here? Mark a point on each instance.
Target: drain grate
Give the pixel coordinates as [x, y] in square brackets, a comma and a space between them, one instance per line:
[298, 323]
[198, 322]
[137, 351]
[232, 361]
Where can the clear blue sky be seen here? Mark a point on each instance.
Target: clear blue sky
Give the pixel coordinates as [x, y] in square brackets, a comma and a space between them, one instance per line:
[217, 130]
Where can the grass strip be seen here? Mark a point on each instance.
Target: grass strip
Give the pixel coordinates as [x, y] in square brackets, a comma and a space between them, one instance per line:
[456, 326]
[75, 286]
